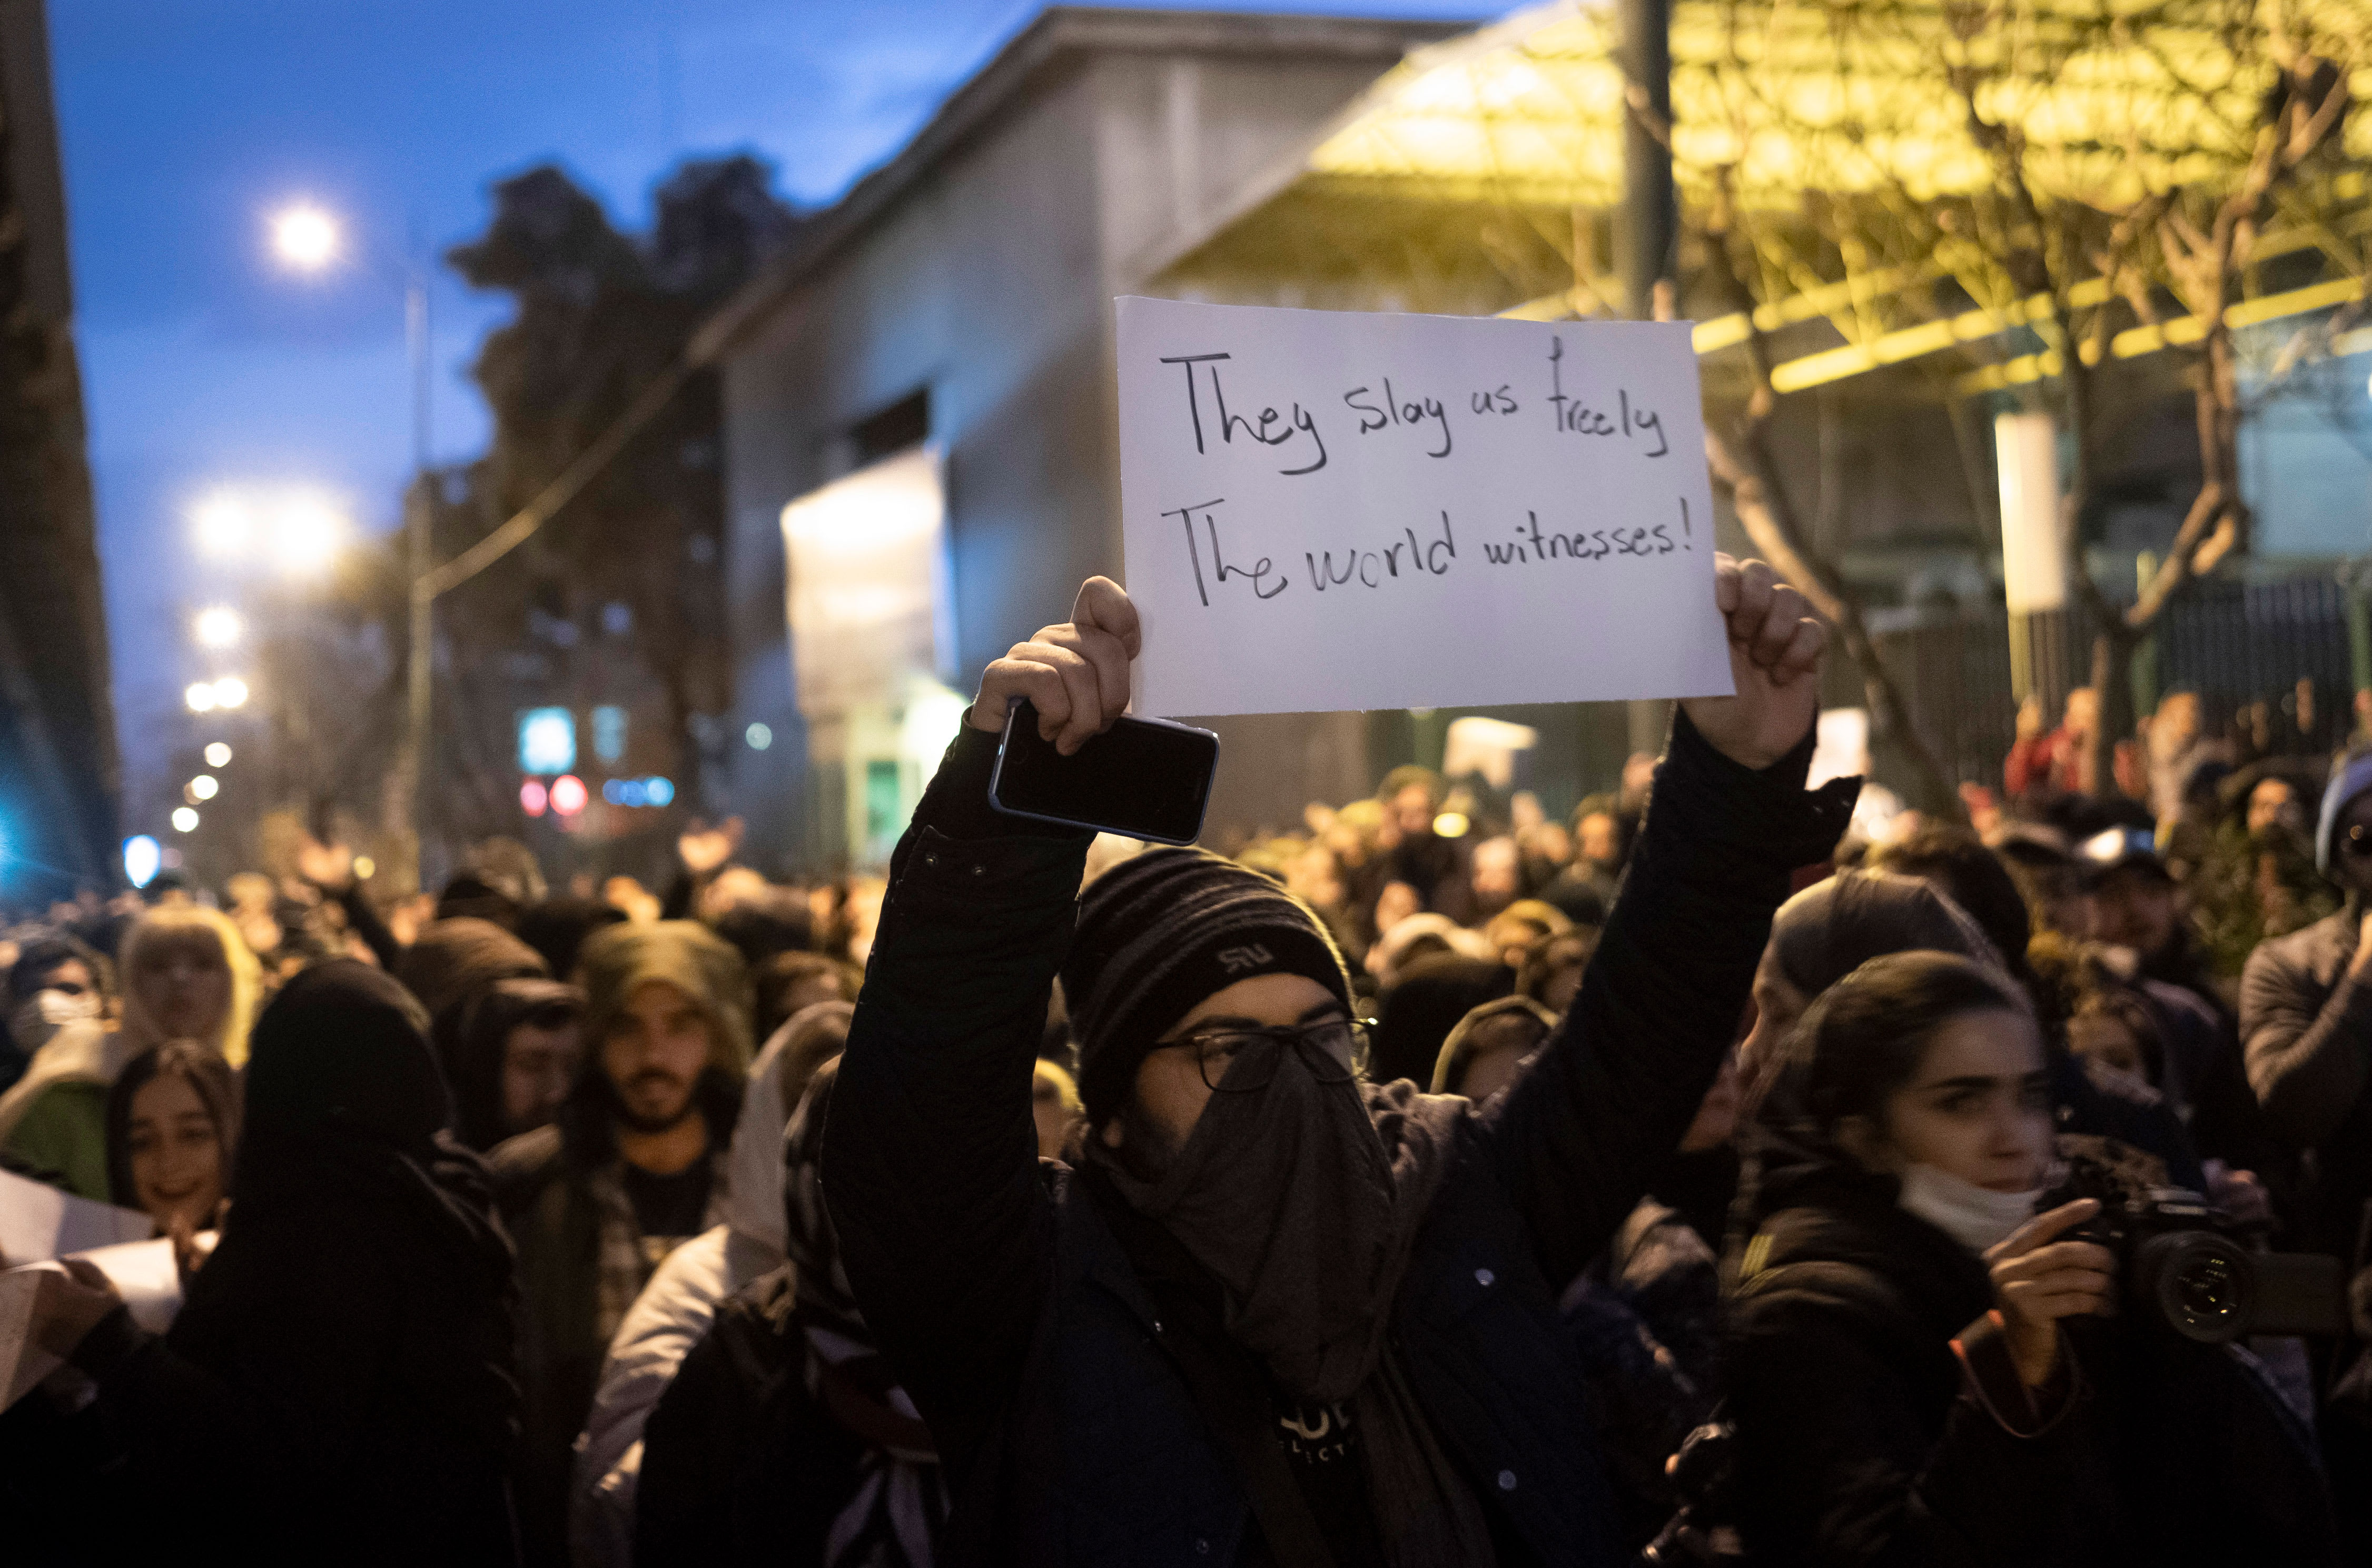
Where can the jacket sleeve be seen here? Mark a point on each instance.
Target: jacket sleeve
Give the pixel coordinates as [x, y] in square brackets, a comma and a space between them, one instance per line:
[293, 1399]
[1835, 1464]
[930, 1158]
[2306, 1052]
[365, 923]
[658, 1332]
[693, 1458]
[1580, 1135]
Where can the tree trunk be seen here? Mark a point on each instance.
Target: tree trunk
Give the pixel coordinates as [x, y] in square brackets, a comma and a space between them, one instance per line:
[1763, 508]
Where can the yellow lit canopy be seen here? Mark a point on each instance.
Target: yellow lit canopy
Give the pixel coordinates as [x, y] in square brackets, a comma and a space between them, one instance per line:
[1477, 176]
[1838, 98]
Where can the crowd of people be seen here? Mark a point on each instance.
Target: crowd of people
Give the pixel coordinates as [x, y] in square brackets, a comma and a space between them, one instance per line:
[1707, 1176]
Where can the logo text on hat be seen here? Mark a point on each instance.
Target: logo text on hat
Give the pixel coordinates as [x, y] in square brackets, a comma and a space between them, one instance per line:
[1236, 961]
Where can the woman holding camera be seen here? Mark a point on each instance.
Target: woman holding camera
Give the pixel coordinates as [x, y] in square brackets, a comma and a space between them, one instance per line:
[1920, 1368]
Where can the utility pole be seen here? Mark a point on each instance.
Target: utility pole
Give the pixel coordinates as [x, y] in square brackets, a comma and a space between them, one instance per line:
[1648, 232]
[413, 814]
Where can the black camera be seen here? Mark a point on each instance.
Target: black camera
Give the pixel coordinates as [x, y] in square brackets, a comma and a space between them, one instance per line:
[2187, 1265]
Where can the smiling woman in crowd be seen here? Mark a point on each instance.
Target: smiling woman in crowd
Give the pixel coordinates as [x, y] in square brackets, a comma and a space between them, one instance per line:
[172, 1126]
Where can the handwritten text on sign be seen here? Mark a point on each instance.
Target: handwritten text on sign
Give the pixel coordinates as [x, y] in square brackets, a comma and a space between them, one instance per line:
[1325, 510]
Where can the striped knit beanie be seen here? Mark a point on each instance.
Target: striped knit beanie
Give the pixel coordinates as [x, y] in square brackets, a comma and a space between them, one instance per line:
[1159, 933]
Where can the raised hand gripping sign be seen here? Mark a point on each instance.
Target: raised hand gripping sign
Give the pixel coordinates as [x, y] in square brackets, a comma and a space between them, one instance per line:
[1324, 510]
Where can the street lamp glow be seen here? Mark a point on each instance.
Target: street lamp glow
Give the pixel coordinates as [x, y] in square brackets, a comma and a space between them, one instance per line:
[204, 787]
[306, 530]
[217, 755]
[185, 821]
[222, 523]
[200, 697]
[230, 691]
[305, 238]
[219, 626]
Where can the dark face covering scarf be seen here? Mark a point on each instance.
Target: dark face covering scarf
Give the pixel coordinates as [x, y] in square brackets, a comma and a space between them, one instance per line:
[1302, 1201]
[892, 1520]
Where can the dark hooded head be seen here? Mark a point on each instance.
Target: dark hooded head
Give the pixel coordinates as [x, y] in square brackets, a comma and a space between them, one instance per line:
[456, 958]
[1831, 929]
[342, 1057]
[476, 1048]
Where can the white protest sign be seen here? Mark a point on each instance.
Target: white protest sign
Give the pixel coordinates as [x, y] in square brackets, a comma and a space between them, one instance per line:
[1324, 510]
[38, 1221]
[144, 1273]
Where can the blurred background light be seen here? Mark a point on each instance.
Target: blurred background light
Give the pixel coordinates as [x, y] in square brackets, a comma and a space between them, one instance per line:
[185, 821]
[142, 857]
[218, 626]
[568, 796]
[217, 755]
[547, 740]
[304, 236]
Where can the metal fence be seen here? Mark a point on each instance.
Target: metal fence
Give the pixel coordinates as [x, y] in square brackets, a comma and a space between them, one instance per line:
[2272, 664]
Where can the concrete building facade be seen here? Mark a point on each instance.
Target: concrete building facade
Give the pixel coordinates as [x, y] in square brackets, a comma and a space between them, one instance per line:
[960, 298]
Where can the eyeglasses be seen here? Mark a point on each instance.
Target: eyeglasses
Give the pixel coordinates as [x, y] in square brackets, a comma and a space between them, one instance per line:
[1335, 1049]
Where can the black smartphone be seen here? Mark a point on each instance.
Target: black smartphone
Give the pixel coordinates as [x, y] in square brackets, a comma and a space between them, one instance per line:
[1142, 778]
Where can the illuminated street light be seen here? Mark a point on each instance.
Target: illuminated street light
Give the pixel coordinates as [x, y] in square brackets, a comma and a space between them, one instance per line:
[306, 531]
[223, 524]
[200, 697]
[297, 529]
[184, 820]
[142, 858]
[204, 787]
[219, 626]
[305, 238]
[230, 691]
[217, 755]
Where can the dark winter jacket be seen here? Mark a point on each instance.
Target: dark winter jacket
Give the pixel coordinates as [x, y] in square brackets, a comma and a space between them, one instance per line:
[1877, 1420]
[1054, 1382]
[340, 1385]
[741, 1462]
[1647, 1319]
[2307, 1028]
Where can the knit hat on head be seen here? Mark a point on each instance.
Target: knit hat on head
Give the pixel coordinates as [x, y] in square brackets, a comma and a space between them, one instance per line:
[2346, 783]
[1159, 933]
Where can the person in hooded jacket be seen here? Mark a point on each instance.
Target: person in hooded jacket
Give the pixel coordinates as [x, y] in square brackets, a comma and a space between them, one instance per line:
[633, 1168]
[1268, 1313]
[511, 1049]
[785, 1438]
[339, 1384]
[676, 1307]
[1918, 1366]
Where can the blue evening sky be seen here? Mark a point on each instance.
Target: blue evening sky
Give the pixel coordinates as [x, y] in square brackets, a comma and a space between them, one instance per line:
[186, 123]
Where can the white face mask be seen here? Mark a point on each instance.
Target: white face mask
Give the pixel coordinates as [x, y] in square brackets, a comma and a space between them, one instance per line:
[44, 1012]
[1976, 1217]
